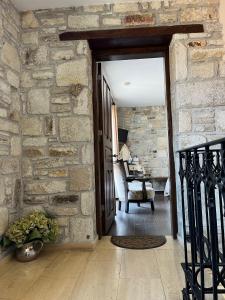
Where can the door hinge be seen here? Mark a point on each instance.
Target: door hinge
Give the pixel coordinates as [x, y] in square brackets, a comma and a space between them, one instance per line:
[99, 76]
[100, 133]
[103, 207]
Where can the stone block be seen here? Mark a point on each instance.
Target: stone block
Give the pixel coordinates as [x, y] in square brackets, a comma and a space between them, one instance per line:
[43, 75]
[62, 221]
[205, 54]
[9, 165]
[199, 14]
[10, 56]
[31, 126]
[67, 54]
[82, 229]
[202, 70]
[125, 7]
[4, 87]
[63, 150]
[26, 80]
[191, 140]
[56, 173]
[13, 79]
[63, 99]
[185, 121]
[61, 108]
[16, 146]
[30, 38]
[26, 167]
[82, 103]
[222, 69]
[203, 127]
[166, 18]
[45, 187]
[83, 22]
[73, 72]
[65, 200]
[49, 163]
[9, 126]
[29, 20]
[81, 178]
[203, 116]
[162, 142]
[82, 47]
[33, 152]
[87, 203]
[34, 200]
[87, 154]
[4, 219]
[220, 120]
[75, 129]
[94, 8]
[62, 211]
[155, 4]
[147, 19]
[35, 141]
[178, 61]
[107, 21]
[38, 101]
[53, 21]
[200, 93]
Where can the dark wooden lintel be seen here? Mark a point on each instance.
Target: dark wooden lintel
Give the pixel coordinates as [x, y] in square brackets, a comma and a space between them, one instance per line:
[130, 32]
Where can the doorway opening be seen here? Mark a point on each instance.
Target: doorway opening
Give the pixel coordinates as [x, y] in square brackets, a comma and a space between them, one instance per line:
[136, 91]
[120, 44]
[139, 145]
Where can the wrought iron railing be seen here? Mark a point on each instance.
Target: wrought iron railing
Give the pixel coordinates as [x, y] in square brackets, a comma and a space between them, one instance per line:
[202, 179]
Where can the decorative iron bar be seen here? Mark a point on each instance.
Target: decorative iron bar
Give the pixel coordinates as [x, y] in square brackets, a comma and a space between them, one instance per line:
[202, 178]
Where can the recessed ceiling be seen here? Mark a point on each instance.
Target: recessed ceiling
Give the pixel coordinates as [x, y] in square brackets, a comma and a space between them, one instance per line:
[23, 5]
[139, 82]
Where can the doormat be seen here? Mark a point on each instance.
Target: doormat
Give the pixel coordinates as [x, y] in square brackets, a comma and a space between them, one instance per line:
[138, 242]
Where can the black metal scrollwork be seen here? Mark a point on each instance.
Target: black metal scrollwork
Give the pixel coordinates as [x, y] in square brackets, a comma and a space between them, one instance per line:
[202, 177]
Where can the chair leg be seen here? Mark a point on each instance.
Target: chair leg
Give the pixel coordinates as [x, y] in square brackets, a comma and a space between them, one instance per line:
[127, 207]
[119, 206]
[152, 205]
[139, 204]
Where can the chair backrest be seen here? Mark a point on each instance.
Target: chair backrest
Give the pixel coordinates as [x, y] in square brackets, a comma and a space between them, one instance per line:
[121, 185]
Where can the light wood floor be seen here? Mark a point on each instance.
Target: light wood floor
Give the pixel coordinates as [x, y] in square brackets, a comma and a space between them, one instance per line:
[108, 273]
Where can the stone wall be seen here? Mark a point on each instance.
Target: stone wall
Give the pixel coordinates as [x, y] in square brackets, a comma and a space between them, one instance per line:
[147, 137]
[56, 125]
[56, 95]
[10, 140]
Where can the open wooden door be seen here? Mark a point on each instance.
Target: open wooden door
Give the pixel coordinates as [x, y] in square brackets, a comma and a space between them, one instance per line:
[105, 151]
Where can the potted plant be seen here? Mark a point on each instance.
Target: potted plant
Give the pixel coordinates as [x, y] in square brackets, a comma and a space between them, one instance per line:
[29, 233]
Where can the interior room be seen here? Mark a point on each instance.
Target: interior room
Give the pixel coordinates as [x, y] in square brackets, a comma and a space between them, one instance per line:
[140, 145]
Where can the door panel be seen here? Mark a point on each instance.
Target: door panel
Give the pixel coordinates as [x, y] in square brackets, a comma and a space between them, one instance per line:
[107, 179]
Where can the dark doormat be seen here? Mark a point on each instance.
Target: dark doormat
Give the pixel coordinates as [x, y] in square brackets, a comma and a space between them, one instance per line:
[138, 242]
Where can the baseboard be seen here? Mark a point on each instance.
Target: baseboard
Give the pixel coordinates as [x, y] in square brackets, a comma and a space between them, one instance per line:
[86, 246]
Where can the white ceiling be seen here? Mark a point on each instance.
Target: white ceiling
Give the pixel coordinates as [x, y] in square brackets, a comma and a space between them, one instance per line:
[139, 82]
[23, 5]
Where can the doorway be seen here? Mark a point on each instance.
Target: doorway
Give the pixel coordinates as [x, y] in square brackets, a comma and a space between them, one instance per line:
[139, 139]
[129, 43]
[138, 220]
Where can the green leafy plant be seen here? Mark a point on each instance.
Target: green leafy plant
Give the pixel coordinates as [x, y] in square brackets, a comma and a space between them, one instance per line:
[35, 226]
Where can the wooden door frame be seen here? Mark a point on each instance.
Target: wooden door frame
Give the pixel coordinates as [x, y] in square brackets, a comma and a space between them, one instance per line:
[131, 43]
[134, 53]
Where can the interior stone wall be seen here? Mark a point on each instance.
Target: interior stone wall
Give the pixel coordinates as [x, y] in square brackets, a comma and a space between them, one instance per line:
[56, 95]
[10, 114]
[147, 136]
